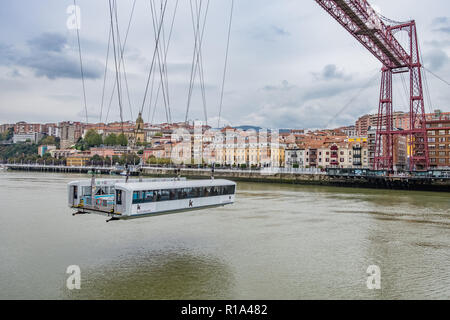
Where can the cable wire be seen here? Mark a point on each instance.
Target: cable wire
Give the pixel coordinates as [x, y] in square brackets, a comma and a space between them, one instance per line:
[81, 62]
[226, 64]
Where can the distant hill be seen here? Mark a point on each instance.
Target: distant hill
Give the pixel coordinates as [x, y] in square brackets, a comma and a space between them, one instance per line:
[246, 128]
[257, 129]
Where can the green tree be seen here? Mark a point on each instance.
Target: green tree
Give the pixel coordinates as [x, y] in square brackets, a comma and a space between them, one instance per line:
[115, 159]
[48, 140]
[97, 160]
[19, 151]
[129, 158]
[81, 145]
[111, 140]
[7, 135]
[93, 138]
[122, 140]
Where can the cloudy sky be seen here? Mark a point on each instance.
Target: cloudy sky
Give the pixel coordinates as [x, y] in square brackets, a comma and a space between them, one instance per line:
[290, 64]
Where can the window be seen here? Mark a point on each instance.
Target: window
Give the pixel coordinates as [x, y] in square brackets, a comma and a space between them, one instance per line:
[148, 196]
[165, 195]
[178, 194]
[137, 197]
[87, 191]
[119, 197]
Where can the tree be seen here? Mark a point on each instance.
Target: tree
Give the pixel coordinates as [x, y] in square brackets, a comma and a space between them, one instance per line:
[7, 135]
[93, 138]
[122, 140]
[97, 160]
[129, 158]
[115, 159]
[48, 140]
[111, 140]
[81, 145]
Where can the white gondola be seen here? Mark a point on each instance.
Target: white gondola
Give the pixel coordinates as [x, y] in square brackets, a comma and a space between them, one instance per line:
[133, 199]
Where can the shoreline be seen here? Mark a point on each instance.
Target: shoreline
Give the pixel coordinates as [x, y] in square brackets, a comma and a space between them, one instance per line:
[311, 179]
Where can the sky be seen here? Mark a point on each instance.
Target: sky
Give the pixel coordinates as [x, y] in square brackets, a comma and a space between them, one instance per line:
[290, 65]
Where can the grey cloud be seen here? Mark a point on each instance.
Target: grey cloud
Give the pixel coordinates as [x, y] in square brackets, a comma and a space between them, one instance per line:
[280, 31]
[285, 86]
[444, 29]
[47, 56]
[440, 20]
[7, 55]
[441, 24]
[15, 74]
[310, 106]
[436, 59]
[54, 66]
[52, 42]
[331, 72]
[270, 33]
[438, 43]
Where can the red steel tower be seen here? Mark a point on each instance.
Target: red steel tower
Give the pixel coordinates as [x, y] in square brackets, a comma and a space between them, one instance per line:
[363, 23]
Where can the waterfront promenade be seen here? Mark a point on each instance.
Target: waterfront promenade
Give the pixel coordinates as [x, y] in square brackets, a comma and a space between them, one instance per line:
[439, 181]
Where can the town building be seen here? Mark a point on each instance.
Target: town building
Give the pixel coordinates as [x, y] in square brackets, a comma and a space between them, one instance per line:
[109, 151]
[42, 150]
[438, 131]
[62, 153]
[5, 127]
[78, 160]
[70, 133]
[295, 158]
[28, 128]
[33, 137]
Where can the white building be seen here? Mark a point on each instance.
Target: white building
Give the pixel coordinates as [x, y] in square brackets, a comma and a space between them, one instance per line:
[27, 137]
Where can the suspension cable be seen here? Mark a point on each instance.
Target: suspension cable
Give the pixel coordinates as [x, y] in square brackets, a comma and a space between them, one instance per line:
[122, 50]
[166, 77]
[160, 22]
[196, 58]
[438, 77]
[115, 61]
[153, 61]
[353, 99]
[226, 64]
[199, 61]
[104, 78]
[81, 62]
[427, 89]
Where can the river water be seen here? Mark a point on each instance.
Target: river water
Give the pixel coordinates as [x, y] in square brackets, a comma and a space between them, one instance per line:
[275, 242]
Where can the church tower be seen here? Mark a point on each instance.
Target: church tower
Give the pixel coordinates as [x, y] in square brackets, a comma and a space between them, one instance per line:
[139, 130]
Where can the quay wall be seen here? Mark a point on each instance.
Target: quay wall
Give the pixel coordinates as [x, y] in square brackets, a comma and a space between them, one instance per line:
[318, 179]
[399, 183]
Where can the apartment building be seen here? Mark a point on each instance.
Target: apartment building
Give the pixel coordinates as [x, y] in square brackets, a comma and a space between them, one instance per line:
[70, 133]
[438, 130]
